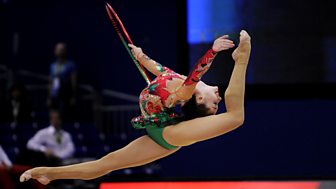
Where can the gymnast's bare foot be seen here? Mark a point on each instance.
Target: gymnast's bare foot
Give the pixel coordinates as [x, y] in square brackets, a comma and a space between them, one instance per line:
[242, 53]
[36, 173]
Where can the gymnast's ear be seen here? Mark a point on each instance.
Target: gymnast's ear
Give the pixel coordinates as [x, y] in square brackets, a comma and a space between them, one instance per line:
[183, 103]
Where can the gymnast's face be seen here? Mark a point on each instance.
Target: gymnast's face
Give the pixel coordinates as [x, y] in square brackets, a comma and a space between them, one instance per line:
[207, 95]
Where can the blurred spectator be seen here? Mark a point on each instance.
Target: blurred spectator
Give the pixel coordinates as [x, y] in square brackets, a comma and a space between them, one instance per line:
[10, 173]
[62, 81]
[17, 108]
[55, 143]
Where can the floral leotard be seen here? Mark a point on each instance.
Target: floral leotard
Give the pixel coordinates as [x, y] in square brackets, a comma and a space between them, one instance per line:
[158, 99]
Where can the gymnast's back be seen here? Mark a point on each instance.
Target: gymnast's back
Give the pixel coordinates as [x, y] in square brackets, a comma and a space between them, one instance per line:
[160, 94]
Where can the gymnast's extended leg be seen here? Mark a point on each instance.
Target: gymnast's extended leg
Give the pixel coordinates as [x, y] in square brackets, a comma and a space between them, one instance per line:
[144, 150]
[139, 152]
[200, 129]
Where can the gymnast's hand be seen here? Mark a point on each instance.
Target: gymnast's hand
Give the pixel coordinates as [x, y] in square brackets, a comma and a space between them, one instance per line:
[136, 51]
[222, 43]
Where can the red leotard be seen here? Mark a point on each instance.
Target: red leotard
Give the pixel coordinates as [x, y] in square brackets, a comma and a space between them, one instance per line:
[160, 94]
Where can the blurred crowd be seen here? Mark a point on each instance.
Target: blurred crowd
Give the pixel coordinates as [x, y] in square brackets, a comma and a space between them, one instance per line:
[50, 145]
[61, 91]
[48, 131]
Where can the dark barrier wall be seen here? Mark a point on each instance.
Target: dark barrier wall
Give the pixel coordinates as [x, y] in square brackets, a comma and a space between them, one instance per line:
[283, 139]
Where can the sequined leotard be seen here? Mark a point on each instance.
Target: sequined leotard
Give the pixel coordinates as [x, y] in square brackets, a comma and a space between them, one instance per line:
[158, 99]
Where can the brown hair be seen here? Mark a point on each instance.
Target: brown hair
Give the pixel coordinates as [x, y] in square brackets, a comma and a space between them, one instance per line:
[191, 109]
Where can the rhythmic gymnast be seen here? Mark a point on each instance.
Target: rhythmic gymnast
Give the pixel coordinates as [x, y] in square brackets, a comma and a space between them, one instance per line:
[167, 133]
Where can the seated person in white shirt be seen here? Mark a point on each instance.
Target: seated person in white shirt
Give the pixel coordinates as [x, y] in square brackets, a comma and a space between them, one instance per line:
[53, 141]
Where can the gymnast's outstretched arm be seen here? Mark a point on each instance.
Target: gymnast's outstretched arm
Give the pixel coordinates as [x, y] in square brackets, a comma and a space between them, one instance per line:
[199, 129]
[186, 91]
[220, 44]
[139, 152]
[150, 64]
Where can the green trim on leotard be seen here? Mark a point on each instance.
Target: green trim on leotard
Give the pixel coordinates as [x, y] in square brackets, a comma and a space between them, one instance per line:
[155, 133]
[154, 125]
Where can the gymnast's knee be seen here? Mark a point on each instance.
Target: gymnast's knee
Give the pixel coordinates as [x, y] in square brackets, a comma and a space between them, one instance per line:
[237, 118]
[109, 162]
